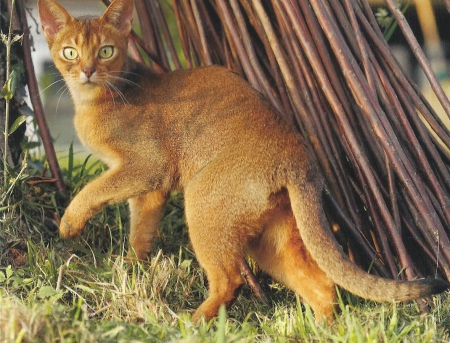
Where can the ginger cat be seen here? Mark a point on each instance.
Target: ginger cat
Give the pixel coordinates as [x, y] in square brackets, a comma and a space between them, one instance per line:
[250, 185]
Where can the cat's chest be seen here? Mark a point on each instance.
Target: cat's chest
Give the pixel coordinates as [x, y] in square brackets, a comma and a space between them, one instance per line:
[99, 132]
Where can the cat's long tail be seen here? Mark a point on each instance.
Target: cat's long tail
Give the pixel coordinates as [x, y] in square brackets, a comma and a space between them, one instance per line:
[325, 250]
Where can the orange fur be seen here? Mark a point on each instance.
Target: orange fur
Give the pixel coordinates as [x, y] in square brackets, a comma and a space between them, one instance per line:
[250, 184]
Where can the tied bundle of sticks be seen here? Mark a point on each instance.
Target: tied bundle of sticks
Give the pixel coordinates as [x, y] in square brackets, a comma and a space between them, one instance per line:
[325, 65]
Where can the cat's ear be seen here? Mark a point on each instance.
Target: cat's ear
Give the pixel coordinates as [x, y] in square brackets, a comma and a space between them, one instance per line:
[53, 17]
[120, 14]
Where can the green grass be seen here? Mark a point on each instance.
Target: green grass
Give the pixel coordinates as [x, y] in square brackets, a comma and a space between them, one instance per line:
[113, 301]
[87, 290]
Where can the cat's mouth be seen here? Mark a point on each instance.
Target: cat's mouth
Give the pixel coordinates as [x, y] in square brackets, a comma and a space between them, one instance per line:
[88, 82]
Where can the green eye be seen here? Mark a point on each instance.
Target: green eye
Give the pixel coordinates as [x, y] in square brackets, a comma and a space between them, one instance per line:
[106, 51]
[70, 53]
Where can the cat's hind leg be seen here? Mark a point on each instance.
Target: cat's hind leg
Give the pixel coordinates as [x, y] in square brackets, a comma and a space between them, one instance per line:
[220, 224]
[220, 256]
[280, 251]
[146, 212]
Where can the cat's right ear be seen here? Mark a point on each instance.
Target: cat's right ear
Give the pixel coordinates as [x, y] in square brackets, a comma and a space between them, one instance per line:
[120, 14]
[53, 17]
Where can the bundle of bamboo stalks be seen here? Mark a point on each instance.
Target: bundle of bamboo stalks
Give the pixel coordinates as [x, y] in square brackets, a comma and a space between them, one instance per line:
[326, 66]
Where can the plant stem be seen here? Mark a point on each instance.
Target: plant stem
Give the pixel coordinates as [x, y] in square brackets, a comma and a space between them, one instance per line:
[8, 72]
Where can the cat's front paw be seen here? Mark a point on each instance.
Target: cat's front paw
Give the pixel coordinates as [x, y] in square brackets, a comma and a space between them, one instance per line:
[68, 229]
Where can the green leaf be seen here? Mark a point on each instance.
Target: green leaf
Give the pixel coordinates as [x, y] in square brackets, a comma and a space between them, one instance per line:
[2, 277]
[6, 90]
[86, 289]
[77, 312]
[18, 68]
[113, 332]
[9, 272]
[17, 123]
[10, 86]
[46, 292]
[14, 80]
[29, 146]
[4, 208]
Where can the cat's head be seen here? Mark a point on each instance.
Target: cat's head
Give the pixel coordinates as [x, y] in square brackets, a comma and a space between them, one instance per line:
[89, 52]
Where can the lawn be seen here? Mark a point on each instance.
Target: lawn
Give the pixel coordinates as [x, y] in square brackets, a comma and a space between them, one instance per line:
[87, 290]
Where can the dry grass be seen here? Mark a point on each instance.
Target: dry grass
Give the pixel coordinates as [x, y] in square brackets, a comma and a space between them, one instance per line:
[63, 294]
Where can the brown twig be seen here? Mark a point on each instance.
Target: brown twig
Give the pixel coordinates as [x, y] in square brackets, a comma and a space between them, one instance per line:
[37, 104]
[251, 280]
[201, 31]
[420, 55]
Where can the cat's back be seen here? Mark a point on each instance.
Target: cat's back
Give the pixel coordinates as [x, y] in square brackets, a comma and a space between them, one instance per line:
[210, 83]
[211, 97]
[210, 93]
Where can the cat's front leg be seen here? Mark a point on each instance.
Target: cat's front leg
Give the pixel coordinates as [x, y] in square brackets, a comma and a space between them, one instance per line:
[146, 211]
[114, 186]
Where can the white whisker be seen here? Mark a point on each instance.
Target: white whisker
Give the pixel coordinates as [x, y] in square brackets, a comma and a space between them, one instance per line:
[129, 82]
[124, 72]
[53, 83]
[110, 92]
[117, 90]
[64, 89]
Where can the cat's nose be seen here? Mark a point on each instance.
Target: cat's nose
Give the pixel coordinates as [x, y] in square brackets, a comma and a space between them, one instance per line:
[88, 71]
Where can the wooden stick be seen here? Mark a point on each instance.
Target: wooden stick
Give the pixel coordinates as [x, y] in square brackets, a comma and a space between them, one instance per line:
[251, 280]
[37, 103]
[420, 55]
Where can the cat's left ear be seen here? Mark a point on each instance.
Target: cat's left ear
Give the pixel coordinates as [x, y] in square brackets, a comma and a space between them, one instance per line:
[53, 17]
[120, 14]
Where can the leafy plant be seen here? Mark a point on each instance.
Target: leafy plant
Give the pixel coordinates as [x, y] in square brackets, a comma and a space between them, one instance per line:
[7, 92]
[387, 21]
